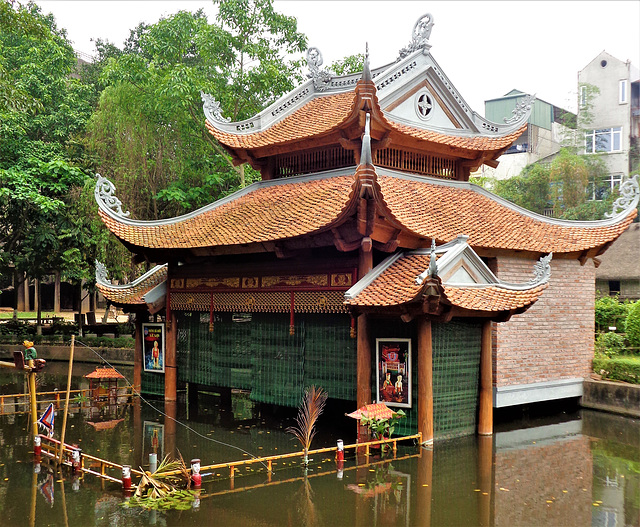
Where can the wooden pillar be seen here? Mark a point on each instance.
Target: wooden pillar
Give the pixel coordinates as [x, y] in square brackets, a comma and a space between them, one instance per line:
[36, 295]
[425, 380]
[137, 355]
[365, 264]
[18, 287]
[425, 484]
[363, 362]
[170, 367]
[56, 292]
[485, 413]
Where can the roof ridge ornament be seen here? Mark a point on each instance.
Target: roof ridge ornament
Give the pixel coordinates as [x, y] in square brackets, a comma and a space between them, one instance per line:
[321, 78]
[365, 154]
[104, 194]
[541, 270]
[366, 69]
[419, 36]
[433, 266]
[102, 273]
[212, 108]
[522, 108]
[629, 195]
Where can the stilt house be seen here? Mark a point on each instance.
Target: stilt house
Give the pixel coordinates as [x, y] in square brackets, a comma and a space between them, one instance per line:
[364, 251]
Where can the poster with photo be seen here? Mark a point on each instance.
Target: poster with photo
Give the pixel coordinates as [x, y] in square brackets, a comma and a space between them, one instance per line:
[393, 375]
[153, 347]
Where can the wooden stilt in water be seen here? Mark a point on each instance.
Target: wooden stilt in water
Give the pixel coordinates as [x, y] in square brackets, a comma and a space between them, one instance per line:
[66, 403]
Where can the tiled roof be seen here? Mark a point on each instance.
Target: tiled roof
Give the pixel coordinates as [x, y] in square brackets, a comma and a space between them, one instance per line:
[268, 213]
[325, 114]
[318, 116]
[397, 285]
[133, 293]
[104, 373]
[443, 211]
[477, 142]
[429, 208]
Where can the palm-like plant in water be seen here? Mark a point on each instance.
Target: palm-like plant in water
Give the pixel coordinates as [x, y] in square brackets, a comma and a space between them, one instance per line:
[308, 412]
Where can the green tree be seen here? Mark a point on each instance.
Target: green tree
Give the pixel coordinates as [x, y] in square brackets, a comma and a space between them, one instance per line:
[41, 160]
[632, 325]
[148, 133]
[349, 64]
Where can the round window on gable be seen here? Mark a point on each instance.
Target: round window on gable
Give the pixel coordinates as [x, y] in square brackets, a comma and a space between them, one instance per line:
[603, 63]
[424, 105]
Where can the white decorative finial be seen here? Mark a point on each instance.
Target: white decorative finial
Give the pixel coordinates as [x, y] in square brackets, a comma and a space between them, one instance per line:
[522, 109]
[104, 194]
[365, 154]
[212, 108]
[321, 78]
[629, 194]
[102, 273]
[433, 266]
[419, 36]
[541, 270]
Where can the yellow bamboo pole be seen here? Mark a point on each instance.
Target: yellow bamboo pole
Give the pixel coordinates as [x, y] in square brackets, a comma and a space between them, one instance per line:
[34, 406]
[66, 404]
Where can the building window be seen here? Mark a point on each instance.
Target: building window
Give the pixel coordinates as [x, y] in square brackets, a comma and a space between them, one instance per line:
[424, 105]
[614, 287]
[583, 96]
[602, 189]
[603, 140]
[623, 98]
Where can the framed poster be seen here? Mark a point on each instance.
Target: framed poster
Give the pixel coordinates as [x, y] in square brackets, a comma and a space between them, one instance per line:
[153, 347]
[393, 374]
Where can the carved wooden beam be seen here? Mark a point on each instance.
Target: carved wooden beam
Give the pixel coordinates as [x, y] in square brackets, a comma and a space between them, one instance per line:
[341, 244]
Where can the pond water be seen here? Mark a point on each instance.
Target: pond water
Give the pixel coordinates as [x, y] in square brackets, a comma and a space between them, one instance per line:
[575, 469]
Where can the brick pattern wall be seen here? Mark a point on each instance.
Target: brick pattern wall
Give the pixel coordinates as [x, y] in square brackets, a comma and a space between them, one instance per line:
[544, 485]
[553, 339]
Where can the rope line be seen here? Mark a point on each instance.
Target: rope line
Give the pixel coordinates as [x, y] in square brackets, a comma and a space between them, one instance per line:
[136, 392]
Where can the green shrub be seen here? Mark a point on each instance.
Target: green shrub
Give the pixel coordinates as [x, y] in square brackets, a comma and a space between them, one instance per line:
[609, 312]
[632, 324]
[625, 369]
[610, 343]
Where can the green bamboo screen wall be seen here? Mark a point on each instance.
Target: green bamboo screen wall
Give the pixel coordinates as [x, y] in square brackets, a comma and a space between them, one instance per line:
[456, 369]
[260, 355]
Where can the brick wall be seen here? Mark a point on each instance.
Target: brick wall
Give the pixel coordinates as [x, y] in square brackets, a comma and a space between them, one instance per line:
[553, 339]
[544, 484]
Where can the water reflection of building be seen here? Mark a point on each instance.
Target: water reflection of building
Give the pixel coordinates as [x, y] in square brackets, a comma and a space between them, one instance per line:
[543, 476]
[292, 281]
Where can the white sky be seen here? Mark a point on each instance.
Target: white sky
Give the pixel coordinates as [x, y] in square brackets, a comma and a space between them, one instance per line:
[486, 48]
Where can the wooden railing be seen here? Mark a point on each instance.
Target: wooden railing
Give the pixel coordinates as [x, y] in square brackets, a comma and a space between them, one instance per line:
[426, 164]
[51, 448]
[268, 460]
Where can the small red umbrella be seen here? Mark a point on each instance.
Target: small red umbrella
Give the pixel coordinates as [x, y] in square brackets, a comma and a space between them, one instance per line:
[373, 411]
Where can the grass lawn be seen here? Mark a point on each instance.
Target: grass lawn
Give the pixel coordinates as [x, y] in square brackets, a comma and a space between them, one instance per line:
[26, 314]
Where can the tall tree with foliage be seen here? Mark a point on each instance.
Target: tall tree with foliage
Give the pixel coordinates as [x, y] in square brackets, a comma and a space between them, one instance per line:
[42, 162]
[148, 133]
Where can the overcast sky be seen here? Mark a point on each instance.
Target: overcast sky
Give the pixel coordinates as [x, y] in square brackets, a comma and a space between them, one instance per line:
[486, 48]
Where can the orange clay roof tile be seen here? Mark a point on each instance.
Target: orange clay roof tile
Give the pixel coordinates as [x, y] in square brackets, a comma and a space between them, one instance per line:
[134, 293]
[319, 115]
[289, 209]
[104, 373]
[266, 214]
[443, 212]
[324, 114]
[396, 285]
